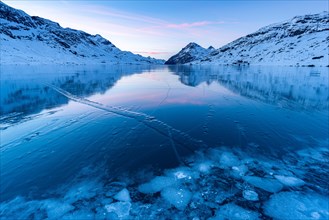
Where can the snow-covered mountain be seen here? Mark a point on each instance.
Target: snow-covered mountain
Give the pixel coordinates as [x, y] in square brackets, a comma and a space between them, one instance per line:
[31, 39]
[191, 52]
[303, 40]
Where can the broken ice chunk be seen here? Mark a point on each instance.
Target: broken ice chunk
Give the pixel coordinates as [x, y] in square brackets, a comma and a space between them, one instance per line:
[222, 196]
[178, 197]
[240, 170]
[295, 205]
[83, 190]
[232, 211]
[290, 180]
[269, 185]
[56, 209]
[123, 196]
[122, 209]
[250, 195]
[227, 159]
[180, 173]
[157, 184]
[80, 214]
[204, 167]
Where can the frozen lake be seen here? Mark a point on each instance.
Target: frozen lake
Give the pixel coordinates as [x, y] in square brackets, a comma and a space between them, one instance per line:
[157, 142]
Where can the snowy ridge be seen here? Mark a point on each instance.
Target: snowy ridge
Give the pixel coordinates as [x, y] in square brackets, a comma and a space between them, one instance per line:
[303, 40]
[31, 39]
[190, 53]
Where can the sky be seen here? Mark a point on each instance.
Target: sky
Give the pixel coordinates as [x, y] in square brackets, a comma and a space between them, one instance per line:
[161, 28]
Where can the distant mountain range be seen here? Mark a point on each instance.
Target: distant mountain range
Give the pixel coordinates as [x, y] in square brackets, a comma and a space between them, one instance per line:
[303, 40]
[29, 39]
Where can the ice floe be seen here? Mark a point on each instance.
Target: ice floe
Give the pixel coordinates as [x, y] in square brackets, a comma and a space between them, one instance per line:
[232, 211]
[121, 209]
[178, 197]
[123, 196]
[297, 205]
[157, 184]
[250, 195]
[216, 183]
[289, 180]
[269, 185]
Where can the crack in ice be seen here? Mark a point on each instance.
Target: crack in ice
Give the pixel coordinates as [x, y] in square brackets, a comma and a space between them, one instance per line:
[175, 135]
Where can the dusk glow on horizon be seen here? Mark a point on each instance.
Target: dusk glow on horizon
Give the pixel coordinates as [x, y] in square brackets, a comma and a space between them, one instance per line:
[161, 28]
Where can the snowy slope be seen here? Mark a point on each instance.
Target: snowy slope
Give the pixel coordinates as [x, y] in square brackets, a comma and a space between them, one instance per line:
[190, 53]
[303, 40]
[26, 39]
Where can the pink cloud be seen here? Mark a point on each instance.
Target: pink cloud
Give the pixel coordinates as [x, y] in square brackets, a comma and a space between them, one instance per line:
[194, 24]
[151, 52]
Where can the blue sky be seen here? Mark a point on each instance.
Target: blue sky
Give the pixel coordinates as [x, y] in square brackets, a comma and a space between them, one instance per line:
[161, 28]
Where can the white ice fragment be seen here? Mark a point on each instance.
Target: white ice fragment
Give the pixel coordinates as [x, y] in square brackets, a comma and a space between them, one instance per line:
[290, 180]
[296, 205]
[122, 209]
[240, 170]
[56, 209]
[123, 196]
[204, 167]
[80, 214]
[228, 159]
[83, 190]
[232, 211]
[269, 185]
[180, 175]
[178, 197]
[156, 184]
[250, 195]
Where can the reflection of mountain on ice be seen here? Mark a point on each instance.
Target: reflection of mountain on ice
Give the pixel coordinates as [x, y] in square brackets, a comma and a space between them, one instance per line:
[289, 87]
[283, 86]
[28, 93]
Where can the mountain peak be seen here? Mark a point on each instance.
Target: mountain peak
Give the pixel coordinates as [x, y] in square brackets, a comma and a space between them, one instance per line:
[192, 45]
[211, 48]
[189, 53]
